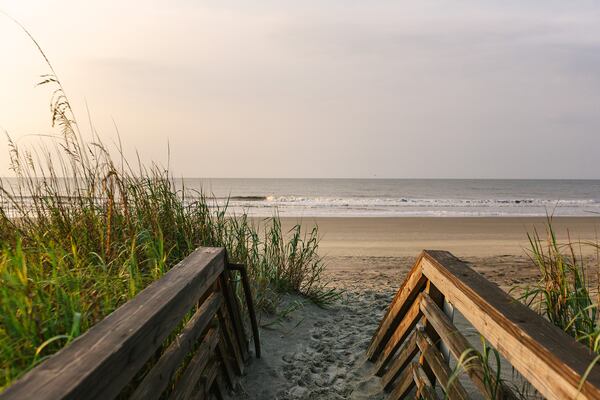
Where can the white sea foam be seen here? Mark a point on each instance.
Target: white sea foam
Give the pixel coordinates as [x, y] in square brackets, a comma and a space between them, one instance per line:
[365, 206]
[403, 202]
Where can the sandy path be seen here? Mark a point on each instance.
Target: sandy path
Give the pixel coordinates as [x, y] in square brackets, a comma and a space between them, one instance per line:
[318, 353]
[332, 364]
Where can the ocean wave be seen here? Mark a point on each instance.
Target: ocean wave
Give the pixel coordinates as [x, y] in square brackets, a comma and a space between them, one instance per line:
[269, 201]
[412, 202]
[246, 198]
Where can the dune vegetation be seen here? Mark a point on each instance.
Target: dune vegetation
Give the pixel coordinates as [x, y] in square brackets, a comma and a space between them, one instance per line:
[567, 292]
[82, 231]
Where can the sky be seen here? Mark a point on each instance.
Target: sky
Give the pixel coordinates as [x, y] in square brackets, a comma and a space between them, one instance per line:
[317, 89]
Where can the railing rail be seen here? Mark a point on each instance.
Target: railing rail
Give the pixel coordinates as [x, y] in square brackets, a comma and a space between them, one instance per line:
[415, 324]
[126, 354]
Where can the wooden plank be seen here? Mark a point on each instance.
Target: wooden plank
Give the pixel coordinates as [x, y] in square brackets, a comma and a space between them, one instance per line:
[456, 342]
[549, 359]
[184, 387]
[407, 352]
[404, 384]
[250, 304]
[206, 383]
[226, 362]
[208, 378]
[101, 362]
[402, 331]
[231, 341]
[159, 377]
[438, 298]
[440, 367]
[409, 290]
[235, 317]
[424, 386]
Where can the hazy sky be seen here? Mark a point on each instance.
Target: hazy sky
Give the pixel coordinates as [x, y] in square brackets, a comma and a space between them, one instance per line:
[420, 89]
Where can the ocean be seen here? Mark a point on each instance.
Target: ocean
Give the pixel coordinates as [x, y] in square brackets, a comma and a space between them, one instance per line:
[402, 197]
[393, 197]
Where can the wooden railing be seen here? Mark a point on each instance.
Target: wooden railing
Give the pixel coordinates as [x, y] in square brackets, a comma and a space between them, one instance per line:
[138, 352]
[412, 344]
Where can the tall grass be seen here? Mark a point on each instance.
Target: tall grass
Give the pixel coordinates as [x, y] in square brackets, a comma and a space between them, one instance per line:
[487, 361]
[567, 291]
[82, 232]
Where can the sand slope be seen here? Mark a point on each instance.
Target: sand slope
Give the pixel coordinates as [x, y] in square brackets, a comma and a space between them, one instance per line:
[318, 353]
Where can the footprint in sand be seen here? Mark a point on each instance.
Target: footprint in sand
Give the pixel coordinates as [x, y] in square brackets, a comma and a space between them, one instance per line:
[332, 364]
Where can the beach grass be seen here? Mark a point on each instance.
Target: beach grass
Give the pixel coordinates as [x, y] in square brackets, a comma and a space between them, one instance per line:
[567, 290]
[83, 231]
[75, 249]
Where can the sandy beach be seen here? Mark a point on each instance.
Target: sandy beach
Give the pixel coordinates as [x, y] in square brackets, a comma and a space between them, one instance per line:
[470, 236]
[317, 353]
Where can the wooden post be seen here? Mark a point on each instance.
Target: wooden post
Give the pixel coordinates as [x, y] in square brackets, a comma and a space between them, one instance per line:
[233, 309]
[250, 304]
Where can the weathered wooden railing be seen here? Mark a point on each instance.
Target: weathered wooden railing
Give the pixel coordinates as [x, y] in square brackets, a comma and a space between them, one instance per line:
[134, 352]
[410, 344]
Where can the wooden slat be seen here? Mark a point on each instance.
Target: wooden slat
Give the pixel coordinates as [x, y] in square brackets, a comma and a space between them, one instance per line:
[206, 381]
[226, 362]
[101, 362]
[549, 359]
[404, 384]
[407, 352]
[438, 298]
[186, 384]
[235, 317]
[230, 341]
[250, 304]
[402, 331]
[440, 367]
[411, 287]
[456, 342]
[158, 379]
[424, 386]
